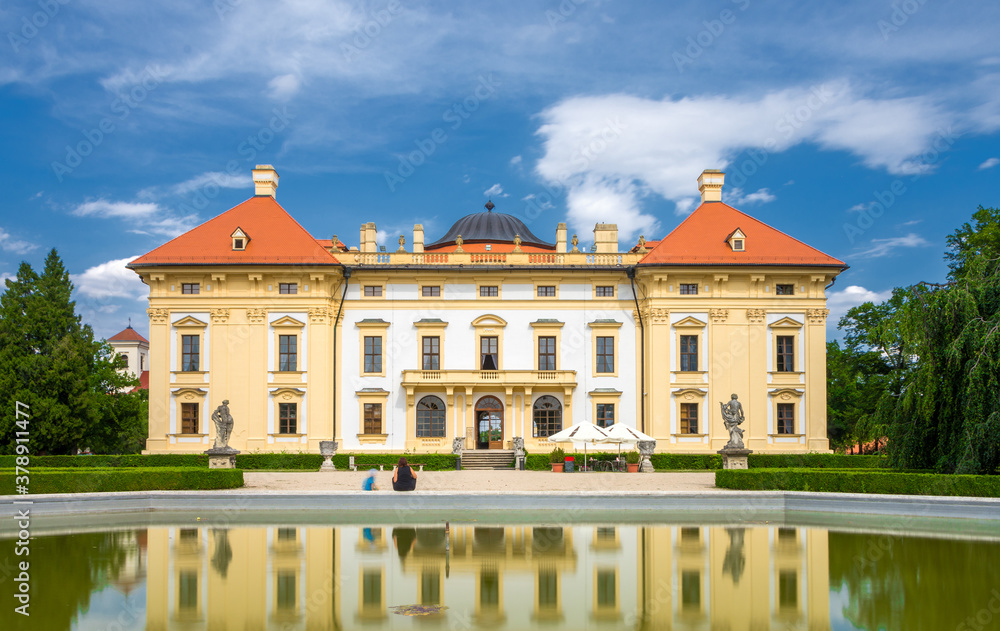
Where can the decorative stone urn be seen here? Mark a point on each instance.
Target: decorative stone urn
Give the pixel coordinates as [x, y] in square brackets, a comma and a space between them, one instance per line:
[327, 449]
[646, 448]
[457, 445]
[518, 453]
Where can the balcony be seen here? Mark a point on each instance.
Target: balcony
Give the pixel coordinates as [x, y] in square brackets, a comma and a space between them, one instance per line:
[491, 259]
[501, 378]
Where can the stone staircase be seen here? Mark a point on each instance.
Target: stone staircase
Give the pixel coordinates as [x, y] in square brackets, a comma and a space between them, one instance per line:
[477, 459]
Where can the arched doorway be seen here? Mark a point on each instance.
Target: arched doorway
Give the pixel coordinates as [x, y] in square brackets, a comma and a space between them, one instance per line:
[489, 423]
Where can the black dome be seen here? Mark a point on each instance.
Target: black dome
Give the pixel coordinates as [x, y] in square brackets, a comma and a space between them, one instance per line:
[490, 227]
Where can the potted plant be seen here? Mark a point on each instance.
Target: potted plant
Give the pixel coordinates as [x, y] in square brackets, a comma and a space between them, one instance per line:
[557, 459]
[632, 461]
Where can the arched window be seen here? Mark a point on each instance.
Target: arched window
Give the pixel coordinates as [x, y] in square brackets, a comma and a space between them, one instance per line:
[547, 417]
[430, 418]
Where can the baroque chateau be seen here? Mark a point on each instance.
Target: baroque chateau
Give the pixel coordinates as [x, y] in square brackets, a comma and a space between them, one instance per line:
[489, 332]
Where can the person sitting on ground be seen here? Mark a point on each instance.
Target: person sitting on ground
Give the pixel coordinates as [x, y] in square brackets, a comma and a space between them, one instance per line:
[403, 477]
[369, 484]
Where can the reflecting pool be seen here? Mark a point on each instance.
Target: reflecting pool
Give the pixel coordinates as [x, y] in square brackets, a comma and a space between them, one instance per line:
[471, 576]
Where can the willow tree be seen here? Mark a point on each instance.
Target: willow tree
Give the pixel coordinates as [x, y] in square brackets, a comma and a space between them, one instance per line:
[947, 415]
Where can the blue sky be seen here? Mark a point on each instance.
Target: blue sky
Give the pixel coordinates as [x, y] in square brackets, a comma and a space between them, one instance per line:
[866, 129]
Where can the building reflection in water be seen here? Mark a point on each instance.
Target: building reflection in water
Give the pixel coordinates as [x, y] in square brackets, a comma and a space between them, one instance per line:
[502, 577]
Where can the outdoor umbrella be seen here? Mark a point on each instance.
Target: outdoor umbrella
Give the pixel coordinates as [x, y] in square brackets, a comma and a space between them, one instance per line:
[622, 433]
[583, 432]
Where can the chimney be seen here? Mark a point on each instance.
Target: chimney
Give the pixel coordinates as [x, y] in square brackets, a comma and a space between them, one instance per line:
[265, 180]
[418, 238]
[561, 238]
[606, 238]
[710, 185]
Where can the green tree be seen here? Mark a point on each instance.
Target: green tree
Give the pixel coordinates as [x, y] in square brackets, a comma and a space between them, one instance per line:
[971, 239]
[50, 361]
[856, 380]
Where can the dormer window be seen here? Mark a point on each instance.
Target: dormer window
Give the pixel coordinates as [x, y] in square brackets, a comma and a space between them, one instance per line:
[737, 241]
[240, 240]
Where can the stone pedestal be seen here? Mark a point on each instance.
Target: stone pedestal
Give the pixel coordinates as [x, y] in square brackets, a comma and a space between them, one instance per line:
[222, 462]
[222, 457]
[735, 458]
[646, 448]
[327, 448]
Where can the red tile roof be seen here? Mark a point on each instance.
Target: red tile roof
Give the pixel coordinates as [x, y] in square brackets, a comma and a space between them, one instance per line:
[143, 381]
[275, 238]
[701, 240]
[328, 243]
[128, 335]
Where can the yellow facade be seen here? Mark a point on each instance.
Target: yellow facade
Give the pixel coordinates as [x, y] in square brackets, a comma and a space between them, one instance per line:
[426, 338]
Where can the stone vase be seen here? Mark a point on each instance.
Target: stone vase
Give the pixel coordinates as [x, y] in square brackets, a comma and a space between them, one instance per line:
[327, 449]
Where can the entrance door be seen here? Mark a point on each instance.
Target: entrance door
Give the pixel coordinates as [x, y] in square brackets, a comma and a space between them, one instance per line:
[489, 423]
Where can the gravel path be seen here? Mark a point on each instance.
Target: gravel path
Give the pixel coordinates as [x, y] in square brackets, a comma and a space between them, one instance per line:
[502, 480]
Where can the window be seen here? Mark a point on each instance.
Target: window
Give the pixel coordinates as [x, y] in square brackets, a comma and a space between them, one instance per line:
[489, 291]
[605, 414]
[690, 590]
[690, 536]
[287, 534]
[689, 289]
[142, 363]
[689, 418]
[431, 353]
[373, 291]
[488, 353]
[786, 418]
[546, 417]
[786, 353]
[430, 418]
[548, 589]
[604, 291]
[190, 288]
[430, 291]
[237, 244]
[189, 418]
[288, 418]
[788, 589]
[689, 353]
[605, 354]
[607, 591]
[371, 589]
[121, 361]
[430, 587]
[286, 590]
[287, 353]
[546, 353]
[187, 592]
[737, 245]
[189, 353]
[288, 288]
[373, 353]
[784, 290]
[546, 291]
[373, 418]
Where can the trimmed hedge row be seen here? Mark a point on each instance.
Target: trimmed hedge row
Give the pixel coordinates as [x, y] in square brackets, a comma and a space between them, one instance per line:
[247, 461]
[814, 461]
[102, 480]
[855, 481]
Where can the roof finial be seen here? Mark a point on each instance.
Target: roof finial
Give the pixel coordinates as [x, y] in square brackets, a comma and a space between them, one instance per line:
[130, 322]
[490, 206]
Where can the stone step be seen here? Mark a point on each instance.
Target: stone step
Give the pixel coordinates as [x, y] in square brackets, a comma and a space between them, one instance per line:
[487, 459]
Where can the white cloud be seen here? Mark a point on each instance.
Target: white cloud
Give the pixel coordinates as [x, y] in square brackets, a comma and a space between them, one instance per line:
[104, 208]
[628, 146]
[736, 197]
[110, 280]
[840, 302]
[143, 217]
[212, 178]
[284, 87]
[885, 247]
[515, 160]
[989, 164]
[15, 246]
[495, 191]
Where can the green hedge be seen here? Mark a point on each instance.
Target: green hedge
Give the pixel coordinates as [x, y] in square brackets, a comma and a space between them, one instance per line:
[815, 461]
[100, 480]
[247, 461]
[855, 481]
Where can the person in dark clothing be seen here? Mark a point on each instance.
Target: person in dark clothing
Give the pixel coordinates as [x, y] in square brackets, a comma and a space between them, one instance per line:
[403, 478]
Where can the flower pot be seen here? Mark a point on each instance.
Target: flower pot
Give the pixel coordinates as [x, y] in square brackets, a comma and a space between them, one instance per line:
[633, 467]
[557, 467]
